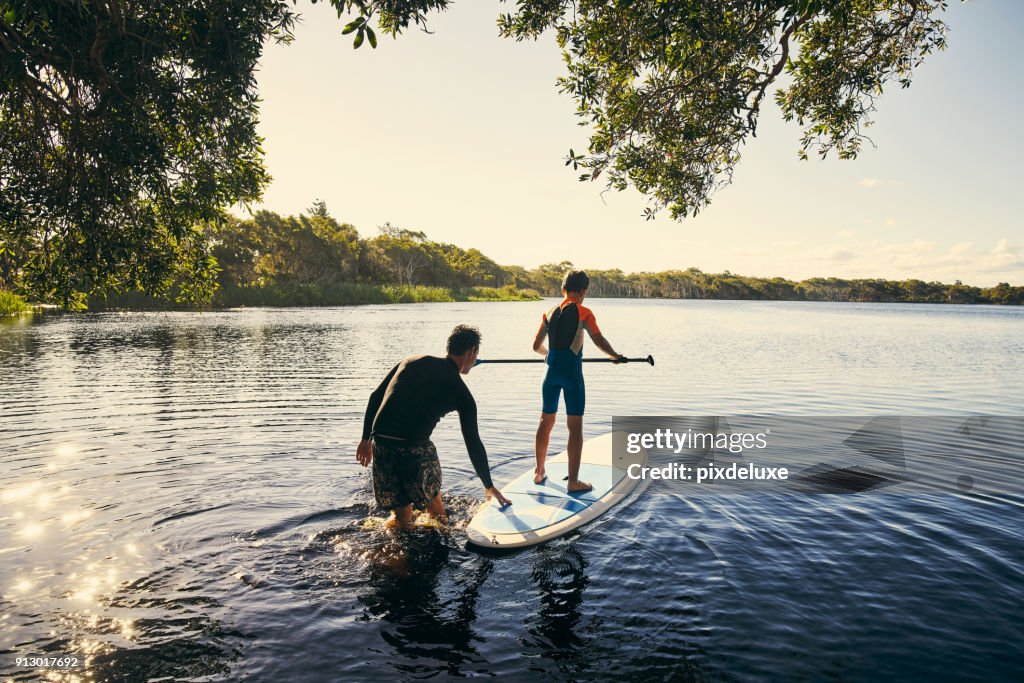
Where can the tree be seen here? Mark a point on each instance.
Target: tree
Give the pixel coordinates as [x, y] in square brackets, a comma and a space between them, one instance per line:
[470, 267]
[406, 253]
[127, 128]
[395, 232]
[1004, 293]
[124, 126]
[237, 250]
[318, 209]
[673, 88]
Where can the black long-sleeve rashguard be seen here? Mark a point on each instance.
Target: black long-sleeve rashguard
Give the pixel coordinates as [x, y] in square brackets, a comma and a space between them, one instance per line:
[414, 397]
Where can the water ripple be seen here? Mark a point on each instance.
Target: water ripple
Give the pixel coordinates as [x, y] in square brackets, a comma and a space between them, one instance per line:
[181, 501]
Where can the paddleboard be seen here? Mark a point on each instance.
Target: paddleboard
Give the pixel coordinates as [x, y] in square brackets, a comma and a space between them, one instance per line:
[541, 512]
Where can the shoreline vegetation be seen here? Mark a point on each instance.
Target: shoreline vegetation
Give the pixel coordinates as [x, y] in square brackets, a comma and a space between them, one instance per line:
[12, 304]
[286, 294]
[313, 260]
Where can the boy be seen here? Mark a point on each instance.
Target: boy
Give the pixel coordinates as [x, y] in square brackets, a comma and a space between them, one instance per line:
[563, 326]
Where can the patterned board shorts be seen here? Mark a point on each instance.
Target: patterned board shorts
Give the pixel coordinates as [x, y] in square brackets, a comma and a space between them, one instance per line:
[404, 475]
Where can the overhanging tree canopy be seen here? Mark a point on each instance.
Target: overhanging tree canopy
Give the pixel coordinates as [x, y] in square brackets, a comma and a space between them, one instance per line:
[672, 88]
[124, 127]
[128, 127]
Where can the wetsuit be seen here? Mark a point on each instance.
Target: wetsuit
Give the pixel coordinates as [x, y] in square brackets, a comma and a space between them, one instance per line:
[565, 325]
[401, 416]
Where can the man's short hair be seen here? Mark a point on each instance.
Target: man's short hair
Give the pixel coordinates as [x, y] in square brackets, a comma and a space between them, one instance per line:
[462, 339]
[575, 281]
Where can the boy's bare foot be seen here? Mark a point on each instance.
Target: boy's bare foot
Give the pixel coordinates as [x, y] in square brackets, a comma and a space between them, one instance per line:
[579, 487]
[539, 477]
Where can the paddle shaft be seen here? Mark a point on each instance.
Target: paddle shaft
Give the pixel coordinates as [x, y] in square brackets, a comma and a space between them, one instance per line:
[649, 359]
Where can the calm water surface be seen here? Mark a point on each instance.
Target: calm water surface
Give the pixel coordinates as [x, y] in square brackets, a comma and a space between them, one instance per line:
[180, 500]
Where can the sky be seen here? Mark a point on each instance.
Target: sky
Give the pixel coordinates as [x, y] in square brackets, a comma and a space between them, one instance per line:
[463, 135]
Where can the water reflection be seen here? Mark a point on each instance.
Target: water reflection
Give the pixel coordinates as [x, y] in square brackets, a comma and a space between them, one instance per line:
[427, 604]
[560, 574]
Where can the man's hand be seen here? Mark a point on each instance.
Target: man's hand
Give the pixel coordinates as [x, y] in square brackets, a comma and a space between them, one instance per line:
[495, 493]
[619, 358]
[364, 453]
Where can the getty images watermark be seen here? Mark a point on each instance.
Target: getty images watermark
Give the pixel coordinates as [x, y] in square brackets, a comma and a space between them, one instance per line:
[665, 439]
[980, 455]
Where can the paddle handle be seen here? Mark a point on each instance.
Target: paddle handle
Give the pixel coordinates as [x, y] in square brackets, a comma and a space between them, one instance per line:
[649, 360]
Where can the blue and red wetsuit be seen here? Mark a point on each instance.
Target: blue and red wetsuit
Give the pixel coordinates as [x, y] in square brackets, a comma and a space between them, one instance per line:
[565, 324]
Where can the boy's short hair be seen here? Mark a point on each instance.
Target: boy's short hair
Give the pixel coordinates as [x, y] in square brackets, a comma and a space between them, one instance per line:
[575, 281]
[462, 339]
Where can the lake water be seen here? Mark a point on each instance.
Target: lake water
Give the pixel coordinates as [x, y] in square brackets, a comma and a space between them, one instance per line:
[180, 500]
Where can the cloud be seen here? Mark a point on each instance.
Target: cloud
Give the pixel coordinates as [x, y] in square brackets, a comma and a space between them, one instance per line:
[1002, 247]
[916, 247]
[983, 266]
[841, 255]
[873, 182]
[888, 221]
[1005, 256]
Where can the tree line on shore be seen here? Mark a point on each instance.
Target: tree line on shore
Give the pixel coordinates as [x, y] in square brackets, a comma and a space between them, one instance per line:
[313, 259]
[695, 284]
[316, 250]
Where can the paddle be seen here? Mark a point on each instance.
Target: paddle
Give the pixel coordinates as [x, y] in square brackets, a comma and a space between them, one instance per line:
[649, 359]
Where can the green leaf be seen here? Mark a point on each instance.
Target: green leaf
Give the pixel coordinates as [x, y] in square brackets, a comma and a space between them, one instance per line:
[372, 37]
[359, 38]
[352, 25]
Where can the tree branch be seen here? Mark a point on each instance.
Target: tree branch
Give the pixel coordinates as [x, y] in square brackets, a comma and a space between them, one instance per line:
[774, 73]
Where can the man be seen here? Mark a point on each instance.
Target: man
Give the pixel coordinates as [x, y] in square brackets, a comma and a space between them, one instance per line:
[563, 326]
[400, 418]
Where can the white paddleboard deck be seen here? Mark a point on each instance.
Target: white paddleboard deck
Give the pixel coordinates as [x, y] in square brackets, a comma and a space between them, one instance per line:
[541, 512]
